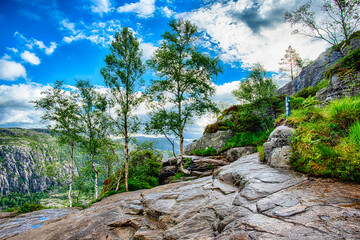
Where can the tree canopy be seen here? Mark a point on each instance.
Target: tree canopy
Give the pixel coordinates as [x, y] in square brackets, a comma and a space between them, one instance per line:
[184, 87]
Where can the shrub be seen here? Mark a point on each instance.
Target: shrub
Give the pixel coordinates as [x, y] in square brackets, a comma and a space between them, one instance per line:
[260, 150]
[246, 139]
[345, 111]
[354, 133]
[348, 64]
[205, 152]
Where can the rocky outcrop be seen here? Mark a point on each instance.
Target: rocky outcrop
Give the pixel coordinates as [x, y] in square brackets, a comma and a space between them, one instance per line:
[340, 87]
[198, 166]
[234, 154]
[23, 170]
[314, 73]
[243, 200]
[277, 150]
[215, 140]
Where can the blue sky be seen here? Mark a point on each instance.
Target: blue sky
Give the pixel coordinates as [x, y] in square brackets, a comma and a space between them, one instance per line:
[47, 40]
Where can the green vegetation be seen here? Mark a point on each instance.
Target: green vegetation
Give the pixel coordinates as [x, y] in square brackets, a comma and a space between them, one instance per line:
[310, 91]
[246, 139]
[206, 152]
[144, 172]
[326, 141]
[345, 66]
[185, 77]
[12, 201]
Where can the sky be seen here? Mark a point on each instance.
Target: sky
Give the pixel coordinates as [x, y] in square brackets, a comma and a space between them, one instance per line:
[47, 40]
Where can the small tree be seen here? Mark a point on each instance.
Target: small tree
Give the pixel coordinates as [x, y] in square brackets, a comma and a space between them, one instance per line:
[94, 122]
[257, 88]
[61, 110]
[184, 87]
[341, 20]
[291, 62]
[122, 75]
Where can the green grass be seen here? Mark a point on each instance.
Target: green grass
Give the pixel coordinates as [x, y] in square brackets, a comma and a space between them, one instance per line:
[345, 111]
[354, 133]
[246, 139]
[205, 152]
[326, 142]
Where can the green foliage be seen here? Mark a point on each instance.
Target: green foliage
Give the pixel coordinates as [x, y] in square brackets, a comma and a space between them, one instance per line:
[144, 171]
[311, 91]
[185, 81]
[345, 111]
[16, 201]
[179, 175]
[326, 141]
[260, 150]
[246, 139]
[347, 65]
[205, 152]
[256, 86]
[354, 133]
[188, 161]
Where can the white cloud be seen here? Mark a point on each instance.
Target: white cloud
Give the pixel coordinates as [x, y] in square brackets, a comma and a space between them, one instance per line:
[68, 25]
[15, 109]
[31, 43]
[247, 33]
[167, 12]
[148, 49]
[51, 49]
[30, 58]
[14, 50]
[98, 32]
[10, 70]
[101, 6]
[143, 8]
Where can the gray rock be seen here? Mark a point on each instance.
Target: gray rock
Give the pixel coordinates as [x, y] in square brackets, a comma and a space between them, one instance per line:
[216, 140]
[277, 150]
[314, 73]
[244, 200]
[234, 154]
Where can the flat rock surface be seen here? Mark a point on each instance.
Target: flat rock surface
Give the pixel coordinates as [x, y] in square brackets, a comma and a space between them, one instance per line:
[243, 200]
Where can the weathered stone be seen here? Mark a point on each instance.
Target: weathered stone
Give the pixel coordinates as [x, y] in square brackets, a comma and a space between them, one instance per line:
[234, 154]
[314, 73]
[244, 200]
[280, 157]
[215, 140]
[277, 150]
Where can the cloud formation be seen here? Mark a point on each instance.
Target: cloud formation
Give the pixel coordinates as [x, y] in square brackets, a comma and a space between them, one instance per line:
[101, 6]
[32, 43]
[11, 70]
[248, 32]
[167, 12]
[30, 58]
[143, 8]
[15, 109]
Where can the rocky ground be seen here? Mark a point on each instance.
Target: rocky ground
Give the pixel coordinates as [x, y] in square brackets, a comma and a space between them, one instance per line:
[243, 200]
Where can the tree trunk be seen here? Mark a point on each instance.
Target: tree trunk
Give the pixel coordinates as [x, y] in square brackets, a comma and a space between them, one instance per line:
[96, 176]
[71, 173]
[179, 160]
[126, 161]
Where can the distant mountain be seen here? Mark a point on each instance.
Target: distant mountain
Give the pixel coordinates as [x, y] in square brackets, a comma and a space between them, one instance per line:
[162, 143]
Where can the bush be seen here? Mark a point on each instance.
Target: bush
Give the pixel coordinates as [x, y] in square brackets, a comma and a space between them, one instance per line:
[205, 152]
[326, 142]
[311, 91]
[345, 111]
[260, 150]
[246, 139]
[354, 133]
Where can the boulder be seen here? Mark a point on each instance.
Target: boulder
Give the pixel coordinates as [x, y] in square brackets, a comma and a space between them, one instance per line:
[234, 154]
[277, 150]
[216, 140]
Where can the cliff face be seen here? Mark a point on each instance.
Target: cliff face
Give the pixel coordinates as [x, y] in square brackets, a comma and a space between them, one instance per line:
[29, 161]
[314, 73]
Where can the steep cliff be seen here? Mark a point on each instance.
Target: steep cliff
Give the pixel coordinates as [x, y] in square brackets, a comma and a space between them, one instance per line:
[30, 161]
[314, 73]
